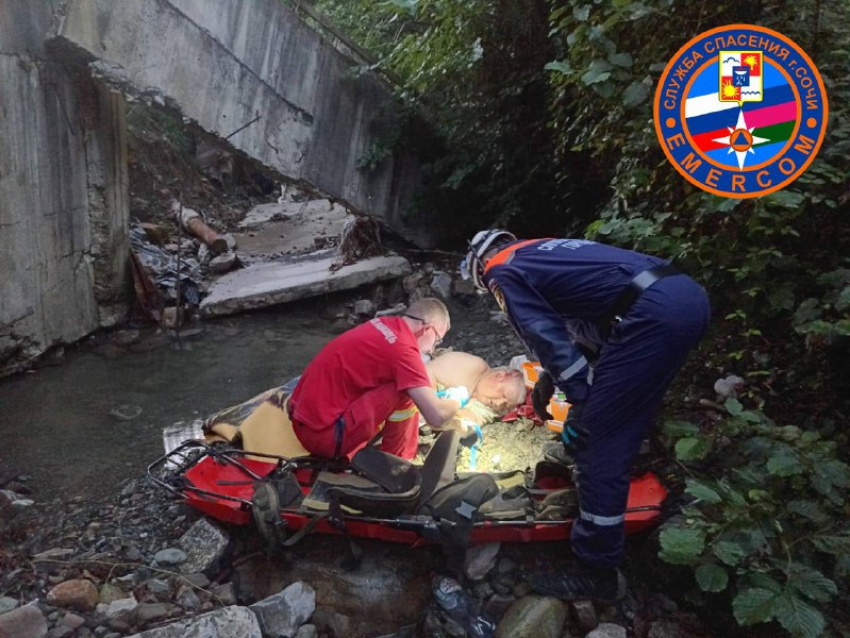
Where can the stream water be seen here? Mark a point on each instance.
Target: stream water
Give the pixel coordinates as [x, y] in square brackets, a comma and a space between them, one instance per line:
[67, 428]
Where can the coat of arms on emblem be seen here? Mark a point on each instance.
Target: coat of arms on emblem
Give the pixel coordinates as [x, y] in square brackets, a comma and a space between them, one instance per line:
[741, 76]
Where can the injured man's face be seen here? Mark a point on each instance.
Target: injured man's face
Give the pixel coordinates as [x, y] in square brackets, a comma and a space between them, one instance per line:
[501, 390]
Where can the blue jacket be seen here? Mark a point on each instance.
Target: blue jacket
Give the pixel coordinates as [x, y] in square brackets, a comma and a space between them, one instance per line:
[555, 292]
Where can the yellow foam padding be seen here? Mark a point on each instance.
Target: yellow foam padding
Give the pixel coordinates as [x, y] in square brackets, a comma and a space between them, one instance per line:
[266, 429]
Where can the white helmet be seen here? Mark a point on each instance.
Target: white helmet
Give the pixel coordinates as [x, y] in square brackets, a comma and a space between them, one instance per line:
[472, 266]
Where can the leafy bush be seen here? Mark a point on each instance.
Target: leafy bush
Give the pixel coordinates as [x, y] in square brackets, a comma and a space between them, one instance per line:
[769, 521]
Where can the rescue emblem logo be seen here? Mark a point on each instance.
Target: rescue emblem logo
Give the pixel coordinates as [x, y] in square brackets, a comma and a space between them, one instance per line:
[740, 111]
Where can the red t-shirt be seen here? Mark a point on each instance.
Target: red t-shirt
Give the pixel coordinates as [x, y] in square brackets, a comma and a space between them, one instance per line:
[379, 352]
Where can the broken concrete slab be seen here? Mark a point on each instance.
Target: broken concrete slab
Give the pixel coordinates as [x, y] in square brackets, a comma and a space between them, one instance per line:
[280, 211]
[268, 284]
[289, 233]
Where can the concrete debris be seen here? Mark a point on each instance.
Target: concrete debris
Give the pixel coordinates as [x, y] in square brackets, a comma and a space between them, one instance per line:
[223, 263]
[283, 613]
[268, 284]
[206, 545]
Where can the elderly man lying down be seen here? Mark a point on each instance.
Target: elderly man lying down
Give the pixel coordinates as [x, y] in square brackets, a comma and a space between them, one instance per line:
[262, 424]
[493, 391]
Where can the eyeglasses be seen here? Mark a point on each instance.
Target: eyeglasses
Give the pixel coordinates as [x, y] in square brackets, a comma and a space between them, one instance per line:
[437, 338]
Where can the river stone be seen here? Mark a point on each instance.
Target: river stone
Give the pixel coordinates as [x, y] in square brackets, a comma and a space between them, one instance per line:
[121, 609]
[23, 622]
[585, 615]
[7, 604]
[283, 613]
[533, 617]
[225, 594]
[79, 594]
[227, 622]
[73, 621]
[151, 612]
[480, 559]
[206, 545]
[608, 630]
[170, 556]
[110, 592]
[307, 631]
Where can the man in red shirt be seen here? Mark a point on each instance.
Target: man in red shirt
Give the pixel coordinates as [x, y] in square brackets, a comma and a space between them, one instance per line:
[369, 375]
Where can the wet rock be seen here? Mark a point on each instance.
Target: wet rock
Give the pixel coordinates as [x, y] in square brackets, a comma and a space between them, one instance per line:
[608, 630]
[170, 556]
[188, 599]
[498, 604]
[133, 554]
[78, 594]
[110, 592]
[225, 594]
[221, 623]
[206, 544]
[24, 622]
[441, 284]
[59, 631]
[307, 631]
[7, 604]
[151, 612]
[121, 609]
[340, 625]
[666, 629]
[533, 617]
[197, 580]
[364, 308]
[283, 613]
[158, 586]
[73, 621]
[480, 559]
[223, 263]
[585, 615]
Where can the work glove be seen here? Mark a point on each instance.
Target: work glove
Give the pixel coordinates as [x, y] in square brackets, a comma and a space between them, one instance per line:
[542, 393]
[574, 434]
[457, 393]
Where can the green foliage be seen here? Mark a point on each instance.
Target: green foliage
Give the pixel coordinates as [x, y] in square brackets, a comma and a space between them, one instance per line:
[768, 518]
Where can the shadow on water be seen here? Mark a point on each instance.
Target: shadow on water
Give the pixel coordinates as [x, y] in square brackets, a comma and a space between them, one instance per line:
[81, 428]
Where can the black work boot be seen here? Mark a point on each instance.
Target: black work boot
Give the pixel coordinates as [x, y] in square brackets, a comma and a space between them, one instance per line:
[557, 452]
[586, 583]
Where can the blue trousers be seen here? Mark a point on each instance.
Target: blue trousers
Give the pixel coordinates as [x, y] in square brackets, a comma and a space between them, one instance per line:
[641, 358]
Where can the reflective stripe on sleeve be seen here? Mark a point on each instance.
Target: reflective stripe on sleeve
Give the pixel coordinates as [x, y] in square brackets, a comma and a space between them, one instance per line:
[403, 415]
[573, 369]
[605, 521]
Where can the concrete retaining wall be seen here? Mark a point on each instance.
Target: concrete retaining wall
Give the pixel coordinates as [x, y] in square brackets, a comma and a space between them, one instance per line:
[63, 195]
[222, 63]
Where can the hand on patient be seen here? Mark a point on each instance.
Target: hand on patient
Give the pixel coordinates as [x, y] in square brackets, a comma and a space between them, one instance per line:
[458, 393]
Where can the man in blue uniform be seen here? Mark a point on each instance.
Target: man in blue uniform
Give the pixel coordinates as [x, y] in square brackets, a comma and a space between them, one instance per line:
[612, 328]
